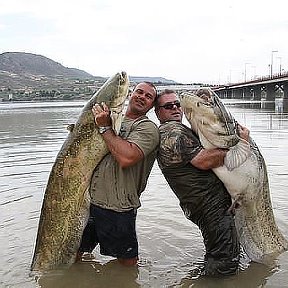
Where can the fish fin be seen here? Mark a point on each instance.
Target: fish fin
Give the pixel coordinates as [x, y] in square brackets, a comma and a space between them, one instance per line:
[237, 155]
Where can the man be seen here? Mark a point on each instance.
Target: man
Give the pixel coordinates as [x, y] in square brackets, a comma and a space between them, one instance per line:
[121, 177]
[186, 165]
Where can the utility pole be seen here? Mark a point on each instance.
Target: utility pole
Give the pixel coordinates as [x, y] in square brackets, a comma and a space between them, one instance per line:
[245, 71]
[271, 67]
[280, 65]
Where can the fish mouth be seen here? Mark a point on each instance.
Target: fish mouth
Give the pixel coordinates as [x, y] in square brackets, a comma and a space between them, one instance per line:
[122, 77]
[229, 124]
[115, 99]
[225, 116]
[210, 102]
[210, 99]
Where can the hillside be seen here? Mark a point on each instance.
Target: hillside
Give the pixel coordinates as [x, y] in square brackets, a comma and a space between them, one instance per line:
[27, 76]
[155, 80]
[27, 63]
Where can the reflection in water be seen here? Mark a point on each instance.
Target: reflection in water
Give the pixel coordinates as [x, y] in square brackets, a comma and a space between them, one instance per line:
[264, 105]
[171, 248]
[285, 105]
[111, 274]
[280, 105]
[255, 275]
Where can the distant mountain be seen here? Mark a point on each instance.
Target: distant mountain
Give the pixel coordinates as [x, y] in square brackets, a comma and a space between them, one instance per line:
[26, 76]
[156, 80]
[27, 63]
[24, 65]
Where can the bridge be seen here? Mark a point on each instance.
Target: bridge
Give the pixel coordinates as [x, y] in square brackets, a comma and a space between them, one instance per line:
[267, 87]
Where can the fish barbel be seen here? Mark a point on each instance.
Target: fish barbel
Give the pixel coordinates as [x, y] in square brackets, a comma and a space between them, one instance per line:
[66, 202]
[244, 174]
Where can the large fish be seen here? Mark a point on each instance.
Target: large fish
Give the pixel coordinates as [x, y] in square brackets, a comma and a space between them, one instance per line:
[244, 174]
[66, 201]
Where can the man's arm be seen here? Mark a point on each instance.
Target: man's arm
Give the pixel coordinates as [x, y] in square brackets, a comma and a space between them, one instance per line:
[243, 132]
[126, 153]
[213, 158]
[209, 158]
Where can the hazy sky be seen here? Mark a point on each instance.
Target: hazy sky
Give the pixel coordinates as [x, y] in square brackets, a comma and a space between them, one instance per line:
[184, 40]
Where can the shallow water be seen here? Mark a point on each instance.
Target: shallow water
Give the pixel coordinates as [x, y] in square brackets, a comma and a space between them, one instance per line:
[171, 247]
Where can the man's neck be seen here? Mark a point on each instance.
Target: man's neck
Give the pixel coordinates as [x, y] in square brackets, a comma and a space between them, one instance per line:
[133, 115]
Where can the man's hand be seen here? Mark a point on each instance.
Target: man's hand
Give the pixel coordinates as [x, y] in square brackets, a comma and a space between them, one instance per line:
[243, 132]
[102, 115]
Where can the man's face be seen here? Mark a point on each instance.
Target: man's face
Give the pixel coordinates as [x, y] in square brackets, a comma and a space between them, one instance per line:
[142, 98]
[169, 108]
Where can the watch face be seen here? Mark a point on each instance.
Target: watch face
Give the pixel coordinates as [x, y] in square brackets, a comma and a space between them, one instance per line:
[101, 130]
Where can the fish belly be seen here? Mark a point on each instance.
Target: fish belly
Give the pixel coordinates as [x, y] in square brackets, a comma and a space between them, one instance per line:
[254, 219]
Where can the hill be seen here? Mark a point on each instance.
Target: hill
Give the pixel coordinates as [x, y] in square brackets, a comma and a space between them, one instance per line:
[27, 76]
[155, 80]
[27, 63]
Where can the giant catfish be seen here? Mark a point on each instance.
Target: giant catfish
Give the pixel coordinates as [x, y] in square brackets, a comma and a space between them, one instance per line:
[244, 174]
[66, 200]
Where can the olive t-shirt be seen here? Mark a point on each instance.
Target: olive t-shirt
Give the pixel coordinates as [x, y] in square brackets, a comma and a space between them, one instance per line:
[192, 186]
[119, 189]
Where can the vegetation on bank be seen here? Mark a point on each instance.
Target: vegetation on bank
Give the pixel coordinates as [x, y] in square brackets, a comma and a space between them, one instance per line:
[78, 90]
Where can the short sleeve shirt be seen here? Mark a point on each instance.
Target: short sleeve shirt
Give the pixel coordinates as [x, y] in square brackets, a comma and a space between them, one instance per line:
[178, 146]
[119, 189]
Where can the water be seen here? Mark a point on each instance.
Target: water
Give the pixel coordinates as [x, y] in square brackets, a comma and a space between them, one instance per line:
[171, 247]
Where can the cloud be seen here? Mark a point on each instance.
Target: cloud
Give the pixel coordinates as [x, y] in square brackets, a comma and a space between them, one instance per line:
[188, 41]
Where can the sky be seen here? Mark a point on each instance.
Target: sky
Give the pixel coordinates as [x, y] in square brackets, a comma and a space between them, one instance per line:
[188, 41]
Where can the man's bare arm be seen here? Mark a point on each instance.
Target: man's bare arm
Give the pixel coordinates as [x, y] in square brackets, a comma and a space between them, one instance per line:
[126, 153]
[209, 158]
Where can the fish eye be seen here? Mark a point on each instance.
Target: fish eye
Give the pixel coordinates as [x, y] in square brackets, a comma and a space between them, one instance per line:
[208, 104]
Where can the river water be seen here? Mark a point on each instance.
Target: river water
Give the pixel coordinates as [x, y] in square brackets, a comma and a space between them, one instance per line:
[171, 247]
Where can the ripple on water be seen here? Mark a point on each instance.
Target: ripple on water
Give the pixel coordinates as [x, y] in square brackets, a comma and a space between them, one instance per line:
[171, 247]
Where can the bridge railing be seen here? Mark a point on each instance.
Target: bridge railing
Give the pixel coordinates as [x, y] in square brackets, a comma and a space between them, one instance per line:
[256, 79]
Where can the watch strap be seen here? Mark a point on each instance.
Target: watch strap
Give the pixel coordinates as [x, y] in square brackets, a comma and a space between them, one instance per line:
[103, 129]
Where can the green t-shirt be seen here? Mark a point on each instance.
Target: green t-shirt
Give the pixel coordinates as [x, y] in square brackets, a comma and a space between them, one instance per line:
[118, 189]
[192, 186]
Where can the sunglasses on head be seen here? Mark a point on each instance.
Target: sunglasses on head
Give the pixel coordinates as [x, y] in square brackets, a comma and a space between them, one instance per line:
[170, 106]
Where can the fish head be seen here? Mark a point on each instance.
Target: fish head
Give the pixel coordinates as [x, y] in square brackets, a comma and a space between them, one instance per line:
[113, 93]
[209, 118]
[114, 98]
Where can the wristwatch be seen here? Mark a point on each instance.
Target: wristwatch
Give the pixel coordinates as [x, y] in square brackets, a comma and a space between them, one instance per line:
[103, 129]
